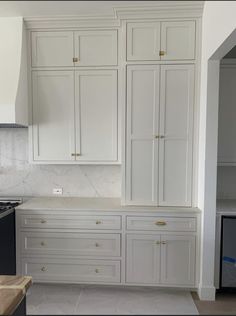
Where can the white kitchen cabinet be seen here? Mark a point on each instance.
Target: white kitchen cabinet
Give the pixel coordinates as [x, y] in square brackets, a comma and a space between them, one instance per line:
[143, 259]
[53, 116]
[168, 40]
[52, 49]
[74, 48]
[96, 115]
[80, 125]
[177, 260]
[96, 47]
[227, 116]
[142, 126]
[161, 259]
[143, 40]
[159, 137]
[176, 129]
[178, 40]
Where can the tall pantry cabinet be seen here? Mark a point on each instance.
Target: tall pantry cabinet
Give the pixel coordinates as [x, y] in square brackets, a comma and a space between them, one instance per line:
[160, 106]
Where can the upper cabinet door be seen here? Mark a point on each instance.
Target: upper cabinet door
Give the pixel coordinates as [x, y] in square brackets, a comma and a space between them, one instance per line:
[52, 49]
[53, 116]
[143, 41]
[96, 115]
[175, 147]
[142, 126]
[178, 40]
[96, 48]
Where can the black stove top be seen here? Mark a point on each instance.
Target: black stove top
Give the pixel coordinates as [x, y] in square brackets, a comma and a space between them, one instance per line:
[7, 205]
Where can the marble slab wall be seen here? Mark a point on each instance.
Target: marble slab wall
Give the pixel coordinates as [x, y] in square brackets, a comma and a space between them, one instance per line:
[19, 178]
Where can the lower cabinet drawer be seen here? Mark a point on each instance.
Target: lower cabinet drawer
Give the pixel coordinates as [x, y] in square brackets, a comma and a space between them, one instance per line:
[71, 270]
[87, 244]
[161, 223]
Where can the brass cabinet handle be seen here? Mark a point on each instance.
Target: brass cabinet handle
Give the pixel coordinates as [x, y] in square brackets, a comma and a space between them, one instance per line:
[43, 269]
[163, 242]
[78, 155]
[161, 136]
[160, 223]
[98, 222]
[75, 60]
[96, 270]
[97, 244]
[161, 53]
[73, 154]
[43, 221]
[42, 243]
[156, 136]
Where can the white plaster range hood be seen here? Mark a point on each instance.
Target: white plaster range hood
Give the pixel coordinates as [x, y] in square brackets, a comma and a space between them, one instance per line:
[13, 73]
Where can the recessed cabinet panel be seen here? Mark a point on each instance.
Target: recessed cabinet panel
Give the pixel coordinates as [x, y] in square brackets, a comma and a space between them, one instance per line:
[178, 40]
[52, 49]
[96, 115]
[143, 259]
[178, 260]
[53, 115]
[143, 41]
[96, 48]
[175, 148]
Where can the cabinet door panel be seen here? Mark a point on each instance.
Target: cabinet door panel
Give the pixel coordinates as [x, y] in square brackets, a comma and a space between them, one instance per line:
[143, 259]
[176, 119]
[53, 115]
[96, 115]
[143, 41]
[178, 260]
[142, 125]
[52, 49]
[96, 48]
[178, 40]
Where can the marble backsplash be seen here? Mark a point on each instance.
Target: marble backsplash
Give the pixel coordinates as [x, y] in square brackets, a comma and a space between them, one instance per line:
[19, 178]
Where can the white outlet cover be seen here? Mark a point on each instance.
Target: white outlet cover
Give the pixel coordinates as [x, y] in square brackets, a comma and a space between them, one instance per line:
[57, 191]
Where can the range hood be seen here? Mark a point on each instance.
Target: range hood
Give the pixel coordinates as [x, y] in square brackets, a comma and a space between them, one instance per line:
[13, 73]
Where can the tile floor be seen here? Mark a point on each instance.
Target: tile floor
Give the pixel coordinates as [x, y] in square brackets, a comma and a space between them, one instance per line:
[46, 299]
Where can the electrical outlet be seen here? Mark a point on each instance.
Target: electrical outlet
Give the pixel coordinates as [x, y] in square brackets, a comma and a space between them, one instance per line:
[57, 191]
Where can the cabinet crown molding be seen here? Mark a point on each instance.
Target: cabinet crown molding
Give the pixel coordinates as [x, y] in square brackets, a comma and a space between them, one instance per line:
[161, 9]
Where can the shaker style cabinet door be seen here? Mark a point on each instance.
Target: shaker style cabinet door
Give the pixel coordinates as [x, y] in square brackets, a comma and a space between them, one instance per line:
[96, 115]
[142, 128]
[178, 260]
[178, 40]
[143, 259]
[53, 115]
[175, 145]
[96, 47]
[52, 49]
[143, 41]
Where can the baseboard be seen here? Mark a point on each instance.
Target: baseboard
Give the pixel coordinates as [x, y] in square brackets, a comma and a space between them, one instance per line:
[206, 293]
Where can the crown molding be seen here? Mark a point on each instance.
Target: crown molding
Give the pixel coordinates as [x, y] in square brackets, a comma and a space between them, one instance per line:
[161, 9]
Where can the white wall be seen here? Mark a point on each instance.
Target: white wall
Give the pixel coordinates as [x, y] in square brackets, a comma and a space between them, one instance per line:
[218, 24]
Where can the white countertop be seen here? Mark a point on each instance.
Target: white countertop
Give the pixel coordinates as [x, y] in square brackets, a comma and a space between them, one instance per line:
[92, 204]
[224, 206]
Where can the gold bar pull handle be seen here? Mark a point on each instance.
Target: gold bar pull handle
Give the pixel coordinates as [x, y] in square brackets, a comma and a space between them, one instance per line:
[75, 60]
[160, 223]
[161, 53]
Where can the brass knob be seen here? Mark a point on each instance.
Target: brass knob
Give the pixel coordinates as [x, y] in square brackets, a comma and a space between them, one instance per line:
[78, 155]
[163, 242]
[43, 269]
[43, 221]
[161, 53]
[98, 222]
[42, 243]
[96, 244]
[96, 270]
[156, 136]
[160, 223]
[75, 60]
[73, 155]
[161, 136]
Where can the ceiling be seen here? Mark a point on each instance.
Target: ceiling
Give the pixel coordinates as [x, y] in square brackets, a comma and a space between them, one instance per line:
[50, 8]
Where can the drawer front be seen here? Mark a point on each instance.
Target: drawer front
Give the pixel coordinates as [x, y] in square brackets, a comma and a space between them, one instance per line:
[70, 244]
[71, 270]
[72, 222]
[161, 223]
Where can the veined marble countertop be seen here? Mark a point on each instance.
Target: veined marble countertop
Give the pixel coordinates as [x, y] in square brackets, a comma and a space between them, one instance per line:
[226, 206]
[92, 204]
[12, 291]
